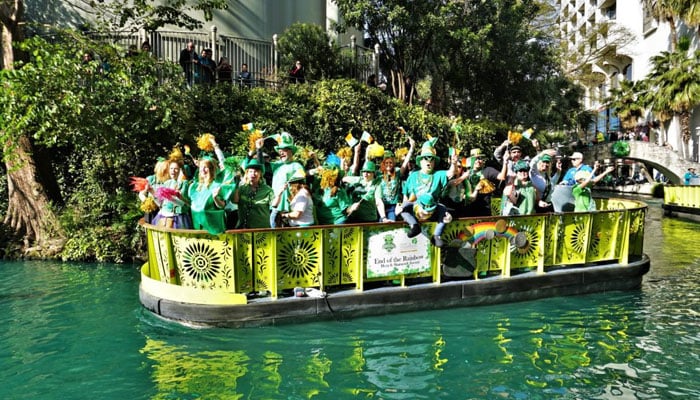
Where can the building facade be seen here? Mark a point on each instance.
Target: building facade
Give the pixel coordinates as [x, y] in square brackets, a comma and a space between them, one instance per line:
[598, 30]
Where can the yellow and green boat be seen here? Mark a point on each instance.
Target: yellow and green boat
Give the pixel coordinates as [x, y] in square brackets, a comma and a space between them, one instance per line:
[684, 199]
[288, 275]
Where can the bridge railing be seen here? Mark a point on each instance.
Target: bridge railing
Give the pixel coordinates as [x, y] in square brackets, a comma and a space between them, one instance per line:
[222, 269]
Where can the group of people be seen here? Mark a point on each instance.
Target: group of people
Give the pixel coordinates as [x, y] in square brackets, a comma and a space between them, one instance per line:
[202, 69]
[358, 185]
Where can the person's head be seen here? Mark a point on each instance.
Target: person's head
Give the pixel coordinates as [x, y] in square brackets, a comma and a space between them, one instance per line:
[146, 46]
[161, 170]
[297, 64]
[427, 158]
[576, 159]
[286, 147]
[296, 181]
[207, 170]
[174, 168]
[516, 153]
[369, 170]
[244, 67]
[388, 163]
[544, 163]
[190, 46]
[582, 176]
[253, 171]
[207, 53]
[522, 170]
[478, 158]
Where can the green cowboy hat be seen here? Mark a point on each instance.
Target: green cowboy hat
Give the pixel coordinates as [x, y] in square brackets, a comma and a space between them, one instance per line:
[286, 141]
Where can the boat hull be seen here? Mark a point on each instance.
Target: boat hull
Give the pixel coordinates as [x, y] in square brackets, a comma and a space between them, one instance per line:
[347, 304]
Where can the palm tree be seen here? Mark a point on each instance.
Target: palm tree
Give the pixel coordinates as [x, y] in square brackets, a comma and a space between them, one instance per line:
[626, 102]
[675, 84]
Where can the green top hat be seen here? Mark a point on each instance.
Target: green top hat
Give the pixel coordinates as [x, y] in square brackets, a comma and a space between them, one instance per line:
[427, 202]
[369, 166]
[286, 141]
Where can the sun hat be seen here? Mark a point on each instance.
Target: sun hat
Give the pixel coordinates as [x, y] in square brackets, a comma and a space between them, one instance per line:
[576, 154]
[286, 141]
[477, 153]
[427, 202]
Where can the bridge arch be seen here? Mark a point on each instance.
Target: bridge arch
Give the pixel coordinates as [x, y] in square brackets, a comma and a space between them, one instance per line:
[662, 158]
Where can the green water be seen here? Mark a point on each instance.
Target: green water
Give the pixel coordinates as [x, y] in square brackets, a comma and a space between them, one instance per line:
[77, 331]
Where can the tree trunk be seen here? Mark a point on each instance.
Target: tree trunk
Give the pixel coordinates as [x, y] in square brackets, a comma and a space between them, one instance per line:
[11, 14]
[28, 211]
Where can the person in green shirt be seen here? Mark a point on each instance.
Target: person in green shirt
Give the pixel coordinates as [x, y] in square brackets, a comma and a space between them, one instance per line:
[366, 196]
[208, 198]
[281, 170]
[583, 200]
[253, 197]
[520, 196]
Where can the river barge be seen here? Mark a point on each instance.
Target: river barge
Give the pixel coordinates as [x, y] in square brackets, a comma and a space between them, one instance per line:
[684, 199]
[287, 275]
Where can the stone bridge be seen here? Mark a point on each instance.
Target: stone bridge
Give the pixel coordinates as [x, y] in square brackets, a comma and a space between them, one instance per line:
[663, 159]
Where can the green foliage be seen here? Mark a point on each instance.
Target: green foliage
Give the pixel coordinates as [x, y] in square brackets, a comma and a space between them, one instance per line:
[309, 44]
[152, 14]
[101, 122]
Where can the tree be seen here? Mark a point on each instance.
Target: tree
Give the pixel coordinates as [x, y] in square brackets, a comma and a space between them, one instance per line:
[309, 44]
[674, 82]
[29, 185]
[626, 103]
[490, 59]
[404, 31]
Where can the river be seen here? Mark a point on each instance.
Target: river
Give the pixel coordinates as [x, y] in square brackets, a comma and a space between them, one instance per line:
[77, 331]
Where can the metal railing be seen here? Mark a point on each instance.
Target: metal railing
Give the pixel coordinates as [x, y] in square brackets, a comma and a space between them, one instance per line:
[261, 56]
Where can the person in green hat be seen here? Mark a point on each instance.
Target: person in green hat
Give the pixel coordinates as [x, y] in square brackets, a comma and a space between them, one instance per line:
[390, 179]
[485, 181]
[426, 209]
[281, 170]
[208, 198]
[254, 198]
[520, 196]
[541, 167]
[366, 195]
[427, 179]
[331, 199]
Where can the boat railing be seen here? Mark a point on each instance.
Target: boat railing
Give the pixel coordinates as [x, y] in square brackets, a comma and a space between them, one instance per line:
[682, 195]
[194, 266]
